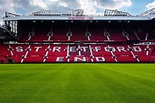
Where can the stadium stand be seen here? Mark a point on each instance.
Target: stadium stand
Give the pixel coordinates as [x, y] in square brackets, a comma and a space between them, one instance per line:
[71, 53]
[78, 39]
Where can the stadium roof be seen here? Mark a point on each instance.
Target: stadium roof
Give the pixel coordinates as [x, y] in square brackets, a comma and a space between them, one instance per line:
[78, 15]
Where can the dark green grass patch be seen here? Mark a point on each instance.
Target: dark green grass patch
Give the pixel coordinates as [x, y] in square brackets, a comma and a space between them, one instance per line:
[77, 83]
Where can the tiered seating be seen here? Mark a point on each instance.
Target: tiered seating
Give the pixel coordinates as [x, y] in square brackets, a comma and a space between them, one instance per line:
[18, 52]
[85, 50]
[122, 52]
[99, 50]
[25, 36]
[78, 53]
[78, 32]
[141, 35]
[79, 59]
[151, 36]
[115, 30]
[146, 32]
[4, 49]
[102, 51]
[96, 29]
[40, 33]
[26, 31]
[130, 35]
[55, 51]
[36, 53]
[150, 31]
[59, 32]
[152, 57]
[86, 32]
[45, 32]
[81, 41]
[3, 59]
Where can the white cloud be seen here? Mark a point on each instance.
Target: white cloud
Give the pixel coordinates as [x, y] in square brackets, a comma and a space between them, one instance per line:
[52, 0]
[38, 3]
[88, 6]
[113, 4]
[151, 5]
[4, 6]
[63, 4]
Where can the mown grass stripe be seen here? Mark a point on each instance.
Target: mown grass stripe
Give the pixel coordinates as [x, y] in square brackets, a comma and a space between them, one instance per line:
[77, 83]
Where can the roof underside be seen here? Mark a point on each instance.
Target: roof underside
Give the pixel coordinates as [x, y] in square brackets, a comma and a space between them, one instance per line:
[75, 18]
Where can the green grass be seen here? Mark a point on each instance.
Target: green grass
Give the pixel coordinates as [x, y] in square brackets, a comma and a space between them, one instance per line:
[77, 83]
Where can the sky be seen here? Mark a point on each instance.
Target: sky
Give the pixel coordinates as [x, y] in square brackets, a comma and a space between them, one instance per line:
[22, 7]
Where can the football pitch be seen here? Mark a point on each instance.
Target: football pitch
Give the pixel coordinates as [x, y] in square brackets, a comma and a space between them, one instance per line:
[77, 83]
